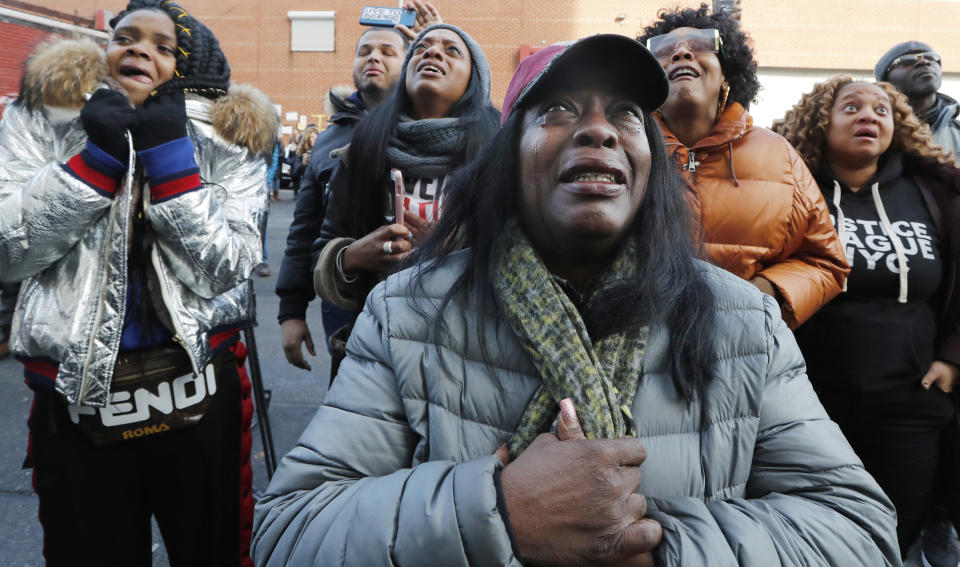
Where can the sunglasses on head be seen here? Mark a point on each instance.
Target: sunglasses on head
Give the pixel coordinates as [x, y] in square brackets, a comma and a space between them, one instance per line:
[911, 59]
[696, 41]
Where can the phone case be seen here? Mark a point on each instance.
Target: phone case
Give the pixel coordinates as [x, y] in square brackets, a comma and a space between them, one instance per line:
[387, 17]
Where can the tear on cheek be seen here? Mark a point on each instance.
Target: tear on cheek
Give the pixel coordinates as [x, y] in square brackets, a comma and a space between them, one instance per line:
[630, 127]
[539, 169]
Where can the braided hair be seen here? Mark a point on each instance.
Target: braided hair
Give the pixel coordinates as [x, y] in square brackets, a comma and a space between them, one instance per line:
[201, 65]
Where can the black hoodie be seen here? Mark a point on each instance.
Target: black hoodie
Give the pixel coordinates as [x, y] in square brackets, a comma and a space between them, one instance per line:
[869, 339]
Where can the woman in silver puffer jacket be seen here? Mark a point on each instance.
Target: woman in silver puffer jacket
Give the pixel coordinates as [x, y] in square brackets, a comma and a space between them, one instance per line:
[132, 203]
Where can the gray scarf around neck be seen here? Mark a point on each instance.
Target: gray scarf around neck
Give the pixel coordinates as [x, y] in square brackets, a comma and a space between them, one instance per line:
[429, 148]
[425, 148]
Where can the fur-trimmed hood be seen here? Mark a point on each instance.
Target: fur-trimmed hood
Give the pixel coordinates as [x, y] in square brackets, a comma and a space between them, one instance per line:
[246, 117]
[337, 101]
[60, 73]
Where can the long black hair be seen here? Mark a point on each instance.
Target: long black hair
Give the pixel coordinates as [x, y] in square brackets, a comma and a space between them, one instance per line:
[670, 284]
[736, 57]
[367, 163]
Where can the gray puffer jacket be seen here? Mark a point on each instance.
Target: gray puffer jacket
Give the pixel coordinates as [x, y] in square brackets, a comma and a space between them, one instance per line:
[397, 466]
[69, 242]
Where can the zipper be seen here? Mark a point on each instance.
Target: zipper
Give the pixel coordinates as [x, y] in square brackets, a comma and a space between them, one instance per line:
[692, 163]
[948, 298]
[98, 320]
[167, 302]
[183, 343]
[178, 335]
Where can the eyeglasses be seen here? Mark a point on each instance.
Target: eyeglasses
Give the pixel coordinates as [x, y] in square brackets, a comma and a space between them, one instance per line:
[697, 41]
[911, 59]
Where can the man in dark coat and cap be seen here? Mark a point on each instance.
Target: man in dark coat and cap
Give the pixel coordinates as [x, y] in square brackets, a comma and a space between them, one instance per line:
[915, 69]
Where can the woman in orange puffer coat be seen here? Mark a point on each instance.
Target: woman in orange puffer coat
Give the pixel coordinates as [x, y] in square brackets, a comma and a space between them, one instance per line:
[761, 214]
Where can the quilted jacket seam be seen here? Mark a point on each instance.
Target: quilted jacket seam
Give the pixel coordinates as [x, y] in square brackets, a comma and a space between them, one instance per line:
[712, 424]
[740, 355]
[717, 494]
[743, 417]
[451, 412]
[831, 469]
[465, 358]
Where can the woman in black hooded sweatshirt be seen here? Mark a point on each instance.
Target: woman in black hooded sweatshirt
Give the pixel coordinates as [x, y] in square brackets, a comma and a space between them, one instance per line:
[884, 355]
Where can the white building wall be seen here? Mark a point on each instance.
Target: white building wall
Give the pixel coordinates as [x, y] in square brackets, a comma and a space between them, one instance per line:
[782, 89]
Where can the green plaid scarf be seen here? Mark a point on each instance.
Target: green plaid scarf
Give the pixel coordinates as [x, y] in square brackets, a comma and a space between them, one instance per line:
[601, 377]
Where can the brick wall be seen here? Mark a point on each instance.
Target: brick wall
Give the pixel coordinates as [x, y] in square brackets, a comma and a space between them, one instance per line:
[813, 34]
[16, 44]
[256, 36]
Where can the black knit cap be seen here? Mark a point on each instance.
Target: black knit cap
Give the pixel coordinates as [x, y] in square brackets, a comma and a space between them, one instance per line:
[880, 71]
[201, 65]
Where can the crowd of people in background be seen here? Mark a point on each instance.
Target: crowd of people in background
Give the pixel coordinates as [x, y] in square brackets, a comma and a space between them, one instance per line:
[614, 322]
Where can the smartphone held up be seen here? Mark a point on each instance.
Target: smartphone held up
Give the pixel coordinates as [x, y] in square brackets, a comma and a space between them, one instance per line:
[397, 195]
[382, 16]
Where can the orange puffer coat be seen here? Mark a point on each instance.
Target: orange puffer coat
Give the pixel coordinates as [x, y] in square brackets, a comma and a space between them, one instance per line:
[761, 212]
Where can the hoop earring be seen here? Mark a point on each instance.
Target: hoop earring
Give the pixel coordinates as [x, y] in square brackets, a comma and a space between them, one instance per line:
[723, 102]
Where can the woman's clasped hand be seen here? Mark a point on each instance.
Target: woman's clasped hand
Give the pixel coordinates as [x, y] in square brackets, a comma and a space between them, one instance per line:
[573, 501]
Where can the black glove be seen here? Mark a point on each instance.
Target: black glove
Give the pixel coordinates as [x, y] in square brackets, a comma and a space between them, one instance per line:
[105, 117]
[161, 119]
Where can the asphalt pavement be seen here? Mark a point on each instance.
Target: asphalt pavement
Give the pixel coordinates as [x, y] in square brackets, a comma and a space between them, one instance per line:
[295, 396]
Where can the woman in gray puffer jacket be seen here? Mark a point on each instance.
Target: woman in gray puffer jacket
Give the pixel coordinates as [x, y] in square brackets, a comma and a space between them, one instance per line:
[687, 434]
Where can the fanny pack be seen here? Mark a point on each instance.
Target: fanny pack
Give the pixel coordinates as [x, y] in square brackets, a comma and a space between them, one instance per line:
[153, 391]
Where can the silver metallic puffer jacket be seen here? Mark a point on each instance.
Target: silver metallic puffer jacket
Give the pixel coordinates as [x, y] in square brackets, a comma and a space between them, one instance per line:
[69, 245]
[397, 467]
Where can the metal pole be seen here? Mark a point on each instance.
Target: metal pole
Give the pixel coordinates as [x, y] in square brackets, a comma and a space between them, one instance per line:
[259, 398]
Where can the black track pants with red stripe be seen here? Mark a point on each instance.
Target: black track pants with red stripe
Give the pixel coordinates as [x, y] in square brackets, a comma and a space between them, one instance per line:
[96, 501]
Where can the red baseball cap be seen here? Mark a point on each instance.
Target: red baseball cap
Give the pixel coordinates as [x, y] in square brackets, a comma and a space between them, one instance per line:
[624, 58]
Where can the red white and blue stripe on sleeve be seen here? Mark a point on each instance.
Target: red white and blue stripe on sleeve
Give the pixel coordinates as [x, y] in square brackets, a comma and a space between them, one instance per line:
[98, 169]
[171, 168]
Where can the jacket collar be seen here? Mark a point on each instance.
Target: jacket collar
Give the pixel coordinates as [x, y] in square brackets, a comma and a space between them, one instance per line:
[943, 111]
[733, 123]
[344, 104]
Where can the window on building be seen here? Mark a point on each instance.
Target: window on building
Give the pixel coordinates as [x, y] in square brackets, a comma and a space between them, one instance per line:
[312, 30]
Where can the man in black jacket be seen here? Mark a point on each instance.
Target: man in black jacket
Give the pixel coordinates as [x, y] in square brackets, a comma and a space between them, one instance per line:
[915, 69]
[376, 68]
